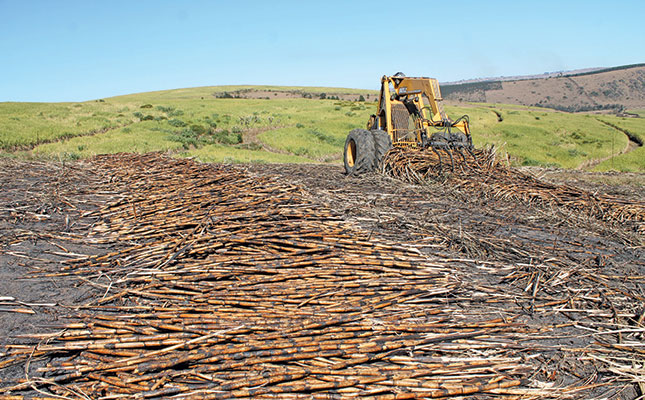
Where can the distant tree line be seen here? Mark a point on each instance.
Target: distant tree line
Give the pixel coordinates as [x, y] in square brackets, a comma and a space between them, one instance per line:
[447, 90]
[618, 108]
[609, 69]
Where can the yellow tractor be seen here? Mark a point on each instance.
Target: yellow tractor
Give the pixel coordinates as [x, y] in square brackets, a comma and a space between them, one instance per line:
[410, 114]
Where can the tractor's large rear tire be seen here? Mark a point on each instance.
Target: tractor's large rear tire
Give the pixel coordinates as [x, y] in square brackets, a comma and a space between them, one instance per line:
[382, 144]
[359, 152]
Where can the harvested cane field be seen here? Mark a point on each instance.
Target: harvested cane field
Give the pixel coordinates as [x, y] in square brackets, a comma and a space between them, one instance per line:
[142, 276]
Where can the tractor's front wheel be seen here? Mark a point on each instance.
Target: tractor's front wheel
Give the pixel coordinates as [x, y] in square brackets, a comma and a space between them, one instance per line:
[359, 152]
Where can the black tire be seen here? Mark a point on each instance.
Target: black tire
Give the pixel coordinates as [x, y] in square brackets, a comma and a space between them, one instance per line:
[359, 152]
[382, 144]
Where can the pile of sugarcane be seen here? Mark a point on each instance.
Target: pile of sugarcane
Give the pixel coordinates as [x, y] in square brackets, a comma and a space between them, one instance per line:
[223, 285]
[478, 171]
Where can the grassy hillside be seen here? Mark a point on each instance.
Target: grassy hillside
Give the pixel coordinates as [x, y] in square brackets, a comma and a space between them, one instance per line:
[537, 137]
[197, 123]
[23, 124]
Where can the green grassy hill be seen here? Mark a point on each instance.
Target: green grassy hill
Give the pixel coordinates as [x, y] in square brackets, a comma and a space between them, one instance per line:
[295, 124]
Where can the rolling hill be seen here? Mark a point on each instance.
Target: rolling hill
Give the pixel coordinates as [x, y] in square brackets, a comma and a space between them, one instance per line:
[614, 89]
[275, 124]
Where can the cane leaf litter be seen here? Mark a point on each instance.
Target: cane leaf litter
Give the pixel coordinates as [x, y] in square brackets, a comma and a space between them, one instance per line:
[220, 281]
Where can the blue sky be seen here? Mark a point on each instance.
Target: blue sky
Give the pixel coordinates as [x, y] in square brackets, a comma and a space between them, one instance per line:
[82, 50]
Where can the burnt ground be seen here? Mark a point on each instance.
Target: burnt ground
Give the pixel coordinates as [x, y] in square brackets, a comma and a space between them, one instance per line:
[455, 223]
[41, 224]
[535, 254]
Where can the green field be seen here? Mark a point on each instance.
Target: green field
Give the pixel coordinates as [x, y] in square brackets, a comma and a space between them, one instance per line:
[197, 123]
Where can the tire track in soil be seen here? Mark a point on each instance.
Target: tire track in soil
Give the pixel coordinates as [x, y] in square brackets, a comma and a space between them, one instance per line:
[251, 137]
[31, 146]
[633, 143]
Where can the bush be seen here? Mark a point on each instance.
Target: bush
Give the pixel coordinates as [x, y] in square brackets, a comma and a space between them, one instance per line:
[146, 106]
[531, 162]
[197, 129]
[226, 137]
[176, 123]
[577, 135]
[326, 138]
[170, 111]
[165, 109]
[576, 152]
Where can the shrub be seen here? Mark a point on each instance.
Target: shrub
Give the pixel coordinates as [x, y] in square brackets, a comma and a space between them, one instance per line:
[530, 162]
[197, 129]
[176, 123]
[138, 115]
[577, 135]
[148, 118]
[170, 111]
[146, 106]
[576, 152]
[326, 138]
[186, 137]
[226, 137]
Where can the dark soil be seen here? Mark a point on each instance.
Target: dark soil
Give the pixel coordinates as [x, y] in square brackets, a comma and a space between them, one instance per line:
[42, 223]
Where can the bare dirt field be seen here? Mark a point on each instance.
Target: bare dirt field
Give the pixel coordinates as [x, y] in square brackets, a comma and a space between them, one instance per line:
[137, 275]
